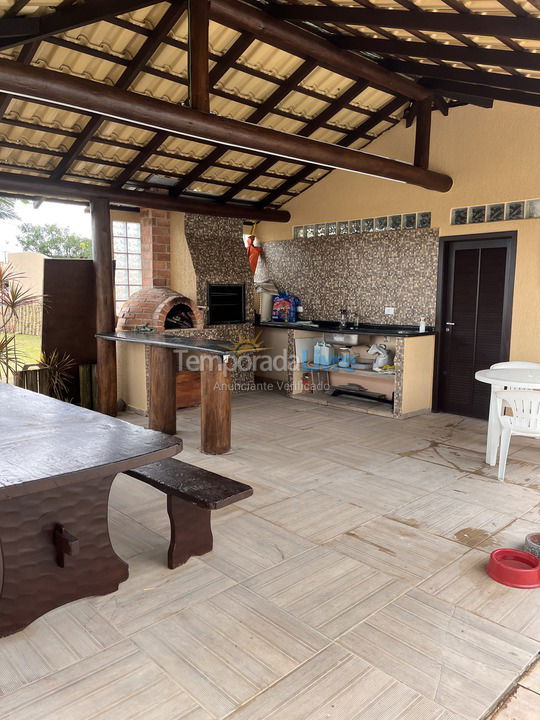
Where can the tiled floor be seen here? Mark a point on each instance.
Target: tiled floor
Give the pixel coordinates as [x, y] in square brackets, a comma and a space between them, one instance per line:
[351, 586]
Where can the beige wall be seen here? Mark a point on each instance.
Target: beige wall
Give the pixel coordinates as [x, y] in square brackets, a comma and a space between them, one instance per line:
[30, 266]
[183, 278]
[492, 156]
[130, 360]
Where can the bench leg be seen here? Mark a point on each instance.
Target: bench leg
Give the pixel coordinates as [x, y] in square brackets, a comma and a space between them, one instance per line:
[191, 533]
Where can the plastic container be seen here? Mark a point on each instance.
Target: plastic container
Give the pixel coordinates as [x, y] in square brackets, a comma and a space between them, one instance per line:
[514, 568]
[325, 354]
[532, 544]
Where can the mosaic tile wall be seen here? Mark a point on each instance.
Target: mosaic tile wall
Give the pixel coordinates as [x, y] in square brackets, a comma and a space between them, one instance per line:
[363, 272]
[219, 256]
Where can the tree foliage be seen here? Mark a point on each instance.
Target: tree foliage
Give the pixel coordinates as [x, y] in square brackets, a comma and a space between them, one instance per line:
[53, 241]
[7, 209]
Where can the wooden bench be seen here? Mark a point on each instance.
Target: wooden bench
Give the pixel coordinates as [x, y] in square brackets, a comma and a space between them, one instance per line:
[192, 493]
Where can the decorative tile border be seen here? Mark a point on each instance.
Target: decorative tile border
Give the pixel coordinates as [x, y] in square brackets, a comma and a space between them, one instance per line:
[405, 221]
[494, 212]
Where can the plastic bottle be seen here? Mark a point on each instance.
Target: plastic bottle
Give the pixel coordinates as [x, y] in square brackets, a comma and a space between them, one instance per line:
[422, 326]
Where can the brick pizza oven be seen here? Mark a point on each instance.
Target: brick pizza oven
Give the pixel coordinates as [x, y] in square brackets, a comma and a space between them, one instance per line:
[159, 308]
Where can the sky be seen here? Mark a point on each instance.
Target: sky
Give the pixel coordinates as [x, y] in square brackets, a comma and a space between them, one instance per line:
[74, 217]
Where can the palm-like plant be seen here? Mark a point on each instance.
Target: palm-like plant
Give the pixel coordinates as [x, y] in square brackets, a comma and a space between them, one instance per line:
[13, 297]
[7, 209]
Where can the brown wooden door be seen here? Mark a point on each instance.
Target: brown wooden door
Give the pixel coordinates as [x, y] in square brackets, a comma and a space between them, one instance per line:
[475, 318]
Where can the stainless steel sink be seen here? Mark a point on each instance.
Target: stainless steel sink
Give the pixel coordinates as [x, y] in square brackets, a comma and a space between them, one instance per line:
[342, 338]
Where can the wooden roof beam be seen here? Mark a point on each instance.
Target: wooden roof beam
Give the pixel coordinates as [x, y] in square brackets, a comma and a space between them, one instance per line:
[479, 91]
[301, 176]
[525, 28]
[436, 51]
[279, 94]
[31, 186]
[480, 77]
[198, 46]
[149, 47]
[310, 127]
[63, 20]
[299, 42]
[74, 93]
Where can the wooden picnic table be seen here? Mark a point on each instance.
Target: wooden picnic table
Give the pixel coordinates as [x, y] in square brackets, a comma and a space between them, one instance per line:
[57, 464]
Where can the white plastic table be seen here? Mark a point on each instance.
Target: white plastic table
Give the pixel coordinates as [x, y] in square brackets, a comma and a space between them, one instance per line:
[499, 379]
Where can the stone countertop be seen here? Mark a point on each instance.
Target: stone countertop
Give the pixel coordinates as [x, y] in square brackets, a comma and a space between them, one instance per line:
[325, 327]
[173, 342]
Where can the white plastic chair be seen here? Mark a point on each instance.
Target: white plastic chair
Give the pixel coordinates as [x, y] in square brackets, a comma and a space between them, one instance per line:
[524, 420]
[493, 422]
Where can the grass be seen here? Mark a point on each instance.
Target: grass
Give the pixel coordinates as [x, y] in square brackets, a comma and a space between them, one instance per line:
[28, 348]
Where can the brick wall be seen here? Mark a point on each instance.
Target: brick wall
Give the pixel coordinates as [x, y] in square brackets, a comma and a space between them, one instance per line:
[156, 248]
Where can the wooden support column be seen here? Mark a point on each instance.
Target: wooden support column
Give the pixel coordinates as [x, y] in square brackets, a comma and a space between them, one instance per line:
[198, 13]
[162, 406]
[423, 133]
[215, 405]
[105, 315]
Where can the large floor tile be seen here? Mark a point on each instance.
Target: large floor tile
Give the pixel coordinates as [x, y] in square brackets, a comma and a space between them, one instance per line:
[335, 685]
[373, 492]
[447, 654]
[502, 497]
[450, 518]
[153, 592]
[225, 651]
[120, 683]
[130, 538]
[466, 584]
[247, 544]
[446, 455]
[531, 679]
[328, 591]
[533, 516]
[521, 705]
[398, 549]
[316, 516]
[511, 536]
[60, 638]
[419, 472]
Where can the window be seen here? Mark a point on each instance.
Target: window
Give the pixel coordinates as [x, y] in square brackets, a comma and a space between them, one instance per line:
[128, 260]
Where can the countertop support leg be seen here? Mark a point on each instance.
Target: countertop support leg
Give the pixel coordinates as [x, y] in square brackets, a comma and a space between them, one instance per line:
[215, 405]
[162, 406]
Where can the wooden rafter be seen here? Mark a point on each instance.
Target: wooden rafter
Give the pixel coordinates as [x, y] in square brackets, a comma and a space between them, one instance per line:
[72, 17]
[267, 106]
[383, 114]
[27, 185]
[472, 23]
[72, 92]
[480, 77]
[165, 25]
[299, 42]
[480, 91]
[456, 53]
[308, 129]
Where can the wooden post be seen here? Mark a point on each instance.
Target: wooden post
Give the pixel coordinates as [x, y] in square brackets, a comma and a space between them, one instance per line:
[198, 13]
[162, 406]
[215, 405]
[105, 316]
[423, 133]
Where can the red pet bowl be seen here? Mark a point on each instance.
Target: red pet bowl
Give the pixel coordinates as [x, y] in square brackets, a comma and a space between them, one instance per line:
[514, 568]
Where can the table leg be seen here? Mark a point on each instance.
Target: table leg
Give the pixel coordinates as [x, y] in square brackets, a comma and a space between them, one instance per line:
[215, 405]
[162, 400]
[494, 429]
[32, 581]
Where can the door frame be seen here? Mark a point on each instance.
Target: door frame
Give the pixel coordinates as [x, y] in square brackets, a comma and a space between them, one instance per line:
[481, 238]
